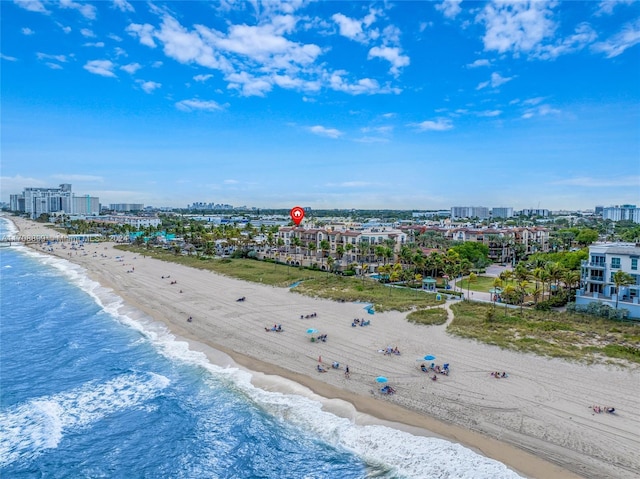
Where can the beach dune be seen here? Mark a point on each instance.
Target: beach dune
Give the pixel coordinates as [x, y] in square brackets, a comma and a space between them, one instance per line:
[537, 421]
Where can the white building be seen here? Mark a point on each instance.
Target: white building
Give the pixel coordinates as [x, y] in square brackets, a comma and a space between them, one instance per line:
[622, 212]
[542, 212]
[125, 207]
[480, 212]
[502, 212]
[597, 276]
[135, 221]
[86, 205]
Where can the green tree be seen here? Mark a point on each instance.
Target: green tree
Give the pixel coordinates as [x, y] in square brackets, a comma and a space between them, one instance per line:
[620, 279]
[587, 236]
[471, 279]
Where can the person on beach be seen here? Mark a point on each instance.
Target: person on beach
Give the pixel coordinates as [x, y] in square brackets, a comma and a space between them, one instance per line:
[347, 374]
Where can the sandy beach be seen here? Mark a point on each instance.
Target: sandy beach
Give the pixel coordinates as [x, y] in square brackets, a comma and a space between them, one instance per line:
[538, 421]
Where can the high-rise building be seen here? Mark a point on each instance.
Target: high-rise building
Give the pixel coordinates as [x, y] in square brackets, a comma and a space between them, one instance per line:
[480, 212]
[502, 212]
[38, 201]
[126, 207]
[86, 205]
[621, 212]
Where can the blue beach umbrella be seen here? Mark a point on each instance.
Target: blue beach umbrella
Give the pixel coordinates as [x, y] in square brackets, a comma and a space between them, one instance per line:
[381, 379]
[429, 357]
[311, 331]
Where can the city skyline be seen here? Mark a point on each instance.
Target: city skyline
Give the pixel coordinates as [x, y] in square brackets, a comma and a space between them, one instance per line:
[407, 105]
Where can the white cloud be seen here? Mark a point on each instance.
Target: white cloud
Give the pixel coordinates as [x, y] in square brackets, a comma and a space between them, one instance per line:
[248, 85]
[123, 6]
[364, 86]
[8, 58]
[328, 132]
[495, 82]
[85, 32]
[65, 29]
[449, 8]
[479, 63]
[349, 27]
[86, 10]
[100, 67]
[441, 124]
[618, 43]
[94, 44]
[131, 68]
[148, 86]
[231, 182]
[583, 35]
[392, 55]
[114, 37]
[517, 26]
[32, 5]
[489, 113]
[143, 32]
[202, 78]
[589, 182]
[195, 104]
[606, 7]
[46, 56]
[72, 177]
[17, 183]
[350, 184]
[541, 110]
[27, 31]
[53, 66]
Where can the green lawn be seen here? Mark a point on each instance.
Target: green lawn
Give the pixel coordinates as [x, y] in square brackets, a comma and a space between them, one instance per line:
[485, 283]
[564, 335]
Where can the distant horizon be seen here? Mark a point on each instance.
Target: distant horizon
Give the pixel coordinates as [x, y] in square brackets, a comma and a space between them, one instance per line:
[372, 105]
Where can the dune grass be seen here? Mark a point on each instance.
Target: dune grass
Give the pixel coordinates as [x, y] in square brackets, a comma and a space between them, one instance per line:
[429, 317]
[556, 334]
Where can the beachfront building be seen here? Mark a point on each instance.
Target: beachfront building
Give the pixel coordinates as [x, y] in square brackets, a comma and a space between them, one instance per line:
[597, 283]
[310, 246]
[542, 212]
[38, 201]
[86, 205]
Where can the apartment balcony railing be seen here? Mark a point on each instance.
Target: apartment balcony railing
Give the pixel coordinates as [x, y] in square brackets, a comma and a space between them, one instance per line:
[590, 264]
[596, 279]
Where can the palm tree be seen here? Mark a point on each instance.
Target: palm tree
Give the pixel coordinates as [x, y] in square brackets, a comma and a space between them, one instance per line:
[521, 289]
[330, 263]
[497, 283]
[471, 279]
[620, 278]
[325, 246]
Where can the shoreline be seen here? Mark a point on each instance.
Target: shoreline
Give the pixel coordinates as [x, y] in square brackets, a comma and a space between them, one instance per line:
[359, 405]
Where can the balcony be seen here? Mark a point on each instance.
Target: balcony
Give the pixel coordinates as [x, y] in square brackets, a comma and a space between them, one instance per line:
[595, 279]
[590, 264]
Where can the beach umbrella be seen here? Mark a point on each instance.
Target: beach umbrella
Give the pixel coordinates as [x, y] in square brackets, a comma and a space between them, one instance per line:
[429, 357]
[381, 379]
[311, 331]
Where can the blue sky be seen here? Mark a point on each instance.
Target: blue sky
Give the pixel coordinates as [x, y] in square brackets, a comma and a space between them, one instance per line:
[413, 105]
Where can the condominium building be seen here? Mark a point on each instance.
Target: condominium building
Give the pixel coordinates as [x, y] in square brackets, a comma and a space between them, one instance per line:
[544, 213]
[38, 201]
[502, 212]
[480, 212]
[86, 205]
[597, 276]
[621, 212]
[125, 207]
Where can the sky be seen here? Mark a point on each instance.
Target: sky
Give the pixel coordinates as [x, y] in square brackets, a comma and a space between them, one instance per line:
[342, 104]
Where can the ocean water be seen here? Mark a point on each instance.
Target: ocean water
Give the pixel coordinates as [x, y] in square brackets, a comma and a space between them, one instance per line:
[89, 389]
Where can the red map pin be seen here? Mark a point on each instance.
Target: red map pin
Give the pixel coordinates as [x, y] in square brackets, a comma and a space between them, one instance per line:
[297, 214]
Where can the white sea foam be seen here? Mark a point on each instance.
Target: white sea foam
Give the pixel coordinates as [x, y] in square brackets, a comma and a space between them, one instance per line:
[406, 455]
[30, 428]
